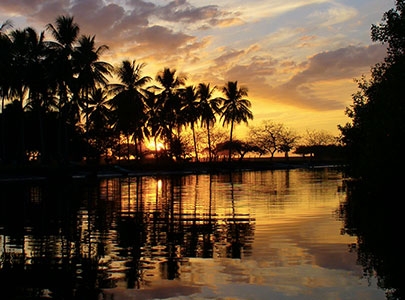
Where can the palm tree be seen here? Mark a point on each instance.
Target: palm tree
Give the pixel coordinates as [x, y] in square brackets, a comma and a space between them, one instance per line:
[208, 107]
[40, 99]
[99, 117]
[91, 73]
[66, 32]
[5, 61]
[129, 102]
[189, 111]
[169, 101]
[154, 127]
[5, 67]
[23, 44]
[235, 109]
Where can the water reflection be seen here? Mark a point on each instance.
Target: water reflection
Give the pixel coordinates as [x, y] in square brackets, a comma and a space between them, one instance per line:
[373, 214]
[245, 234]
[98, 233]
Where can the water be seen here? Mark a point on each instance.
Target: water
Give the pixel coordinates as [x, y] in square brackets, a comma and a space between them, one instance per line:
[245, 235]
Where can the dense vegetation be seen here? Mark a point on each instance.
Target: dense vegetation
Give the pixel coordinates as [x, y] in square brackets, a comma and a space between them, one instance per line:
[375, 136]
[373, 210]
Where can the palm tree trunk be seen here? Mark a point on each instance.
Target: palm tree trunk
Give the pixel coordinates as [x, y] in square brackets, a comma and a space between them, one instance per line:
[156, 150]
[195, 142]
[128, 147]
[230, 142]
[209, 142]
[3, 131]
[22, 129]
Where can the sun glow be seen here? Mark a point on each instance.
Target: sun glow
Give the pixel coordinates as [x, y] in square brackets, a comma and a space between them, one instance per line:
[155, 145]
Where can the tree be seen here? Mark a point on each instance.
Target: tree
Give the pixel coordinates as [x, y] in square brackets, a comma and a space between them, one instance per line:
[374, 145]
[288, 140]
[99, 125]
[240, 147]
[66, 32]
[154, 128]
[5, 61]
[208, 108]
[321, 144]
[5, 67]
[91, 73]
[267, 136]
[40, 99]
[236, 109]
[374, 136]
[24, 55]
[169, 102]
[190, 111]
[129, 102]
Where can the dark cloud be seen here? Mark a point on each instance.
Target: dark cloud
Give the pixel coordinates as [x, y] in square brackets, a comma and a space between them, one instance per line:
[183, 11]
[124, 24]
[340, 63]
[161, 38]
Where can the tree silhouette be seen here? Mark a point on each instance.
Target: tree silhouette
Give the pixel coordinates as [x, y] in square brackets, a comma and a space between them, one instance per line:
[99, 116]
[170, 102]
[91, 72]
[128, 104]
[208, 108]
[236, 109]
[190, 111]
[373, 138]
[66, 32]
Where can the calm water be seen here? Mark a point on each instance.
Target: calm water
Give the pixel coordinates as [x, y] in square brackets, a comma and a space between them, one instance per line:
[248, 235]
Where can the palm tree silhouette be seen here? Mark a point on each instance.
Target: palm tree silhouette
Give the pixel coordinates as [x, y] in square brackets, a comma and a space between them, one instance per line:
[25, 53]
[129, 102]
[169, 101]
[99, 116]
[208, 108]
[235, 109]
[5, 67]
[91, 72]
[40, 99]
[190, 111]
[66, 32]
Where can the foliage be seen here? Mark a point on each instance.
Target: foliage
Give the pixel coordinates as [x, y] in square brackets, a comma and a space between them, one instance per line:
[373, 138]
[373, 144]
[273, 137]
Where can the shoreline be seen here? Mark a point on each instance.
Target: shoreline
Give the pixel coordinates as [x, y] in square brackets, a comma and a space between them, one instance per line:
[156, 168]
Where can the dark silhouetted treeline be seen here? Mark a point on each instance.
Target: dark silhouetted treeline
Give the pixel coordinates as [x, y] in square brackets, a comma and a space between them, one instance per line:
[57, 104]
[374, 148]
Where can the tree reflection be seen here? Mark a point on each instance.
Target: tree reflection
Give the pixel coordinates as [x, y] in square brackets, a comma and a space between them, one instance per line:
[377, 226]
[74, 237]
[41, 241]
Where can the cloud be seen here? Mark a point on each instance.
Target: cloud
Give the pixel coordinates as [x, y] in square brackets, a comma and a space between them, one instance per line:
[307, 88]
[338, 64]
[183, 11]
[317, 84]
[332, 14]
[17, 7]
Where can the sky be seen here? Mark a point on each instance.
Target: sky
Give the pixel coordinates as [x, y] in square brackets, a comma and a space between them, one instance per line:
[298, 58]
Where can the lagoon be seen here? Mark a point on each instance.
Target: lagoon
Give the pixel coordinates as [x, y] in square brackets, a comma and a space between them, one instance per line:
[269, 234]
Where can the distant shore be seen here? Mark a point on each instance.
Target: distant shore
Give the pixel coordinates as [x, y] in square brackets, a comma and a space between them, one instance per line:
[156, 167]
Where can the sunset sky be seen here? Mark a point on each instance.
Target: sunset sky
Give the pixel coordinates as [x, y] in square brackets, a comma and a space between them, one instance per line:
[298, 58]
